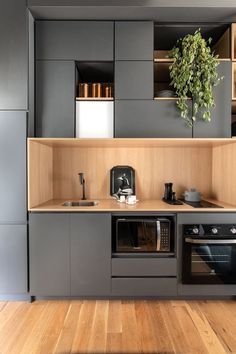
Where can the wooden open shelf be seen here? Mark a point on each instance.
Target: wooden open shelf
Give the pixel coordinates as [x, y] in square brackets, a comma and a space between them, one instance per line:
[233, 42]
[233, 80]
[206, 164]
[94, 98]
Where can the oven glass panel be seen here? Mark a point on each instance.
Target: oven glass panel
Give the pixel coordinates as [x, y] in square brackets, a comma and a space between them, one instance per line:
[207, 263]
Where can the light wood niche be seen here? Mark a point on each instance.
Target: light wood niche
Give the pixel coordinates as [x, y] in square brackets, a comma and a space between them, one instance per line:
[207, 164]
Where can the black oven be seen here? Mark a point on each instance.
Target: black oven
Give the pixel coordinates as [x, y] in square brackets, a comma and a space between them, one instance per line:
[143, 234]
[209, 254]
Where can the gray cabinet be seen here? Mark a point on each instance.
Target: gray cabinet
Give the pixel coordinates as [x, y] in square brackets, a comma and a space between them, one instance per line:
[74, 40]
[13, 259]
[90, 254]
[13, 126]
[55, 99]
[220, 125]
[49, 250]
[14, 55]
[144, 286]
[134, 80]
[134, 40]
[149, 119]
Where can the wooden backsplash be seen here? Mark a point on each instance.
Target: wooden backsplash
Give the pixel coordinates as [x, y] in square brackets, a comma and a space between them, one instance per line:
[184, 166]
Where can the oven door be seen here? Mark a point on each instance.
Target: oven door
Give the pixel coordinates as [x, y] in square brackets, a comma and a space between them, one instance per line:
[209, 261]
[133, 235]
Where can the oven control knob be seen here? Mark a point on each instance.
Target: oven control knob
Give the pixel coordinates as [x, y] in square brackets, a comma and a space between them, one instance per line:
[233, 230]
[195, 231]
[214, 230]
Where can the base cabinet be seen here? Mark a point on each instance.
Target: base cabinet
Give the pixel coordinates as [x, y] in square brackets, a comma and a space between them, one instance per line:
[49, 254]
[90, 254]
[13, 259]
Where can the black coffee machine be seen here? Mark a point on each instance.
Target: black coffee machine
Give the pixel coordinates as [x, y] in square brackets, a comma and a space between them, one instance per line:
[122, 181]
[170, 196]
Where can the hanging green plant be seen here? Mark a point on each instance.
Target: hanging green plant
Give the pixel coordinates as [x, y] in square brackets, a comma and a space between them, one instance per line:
[193, 75]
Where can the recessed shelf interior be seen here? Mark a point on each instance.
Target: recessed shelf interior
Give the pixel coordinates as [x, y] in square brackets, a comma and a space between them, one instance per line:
[206, 164]
[95, 80]
[166, 36]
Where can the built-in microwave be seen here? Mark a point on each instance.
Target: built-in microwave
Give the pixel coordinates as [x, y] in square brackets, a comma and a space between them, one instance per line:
[143, 234]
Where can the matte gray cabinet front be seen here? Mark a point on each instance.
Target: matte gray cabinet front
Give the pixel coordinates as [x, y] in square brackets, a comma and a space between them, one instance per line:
[149, 119]
[134, 80]
[134, 40]
[90, 254]
[55, 99]
[13, 126]
[13, 55]
[74, 40]
[13, 259]
[49, 250]
[220, 124]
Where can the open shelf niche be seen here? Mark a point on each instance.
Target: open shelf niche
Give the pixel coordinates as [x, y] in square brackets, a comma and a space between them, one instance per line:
[94, 101]
[165, 38]
[206, 164]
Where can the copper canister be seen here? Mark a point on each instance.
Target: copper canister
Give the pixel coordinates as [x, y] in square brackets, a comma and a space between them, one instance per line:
[99, 90]
[94, 90]
[86, 90]
[108, 91]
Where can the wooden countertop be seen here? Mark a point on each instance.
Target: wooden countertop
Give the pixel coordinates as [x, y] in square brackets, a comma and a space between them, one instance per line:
[111, 205]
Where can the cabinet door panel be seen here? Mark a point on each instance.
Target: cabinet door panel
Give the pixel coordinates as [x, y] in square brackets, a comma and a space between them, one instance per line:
[74, 40]
[134, 80]
[13, 259]
[49, 251]
[13, 126]
[149, 119]
[55, 99]
[134, 40]
[220, 124]
[90, 254]
[13, 55]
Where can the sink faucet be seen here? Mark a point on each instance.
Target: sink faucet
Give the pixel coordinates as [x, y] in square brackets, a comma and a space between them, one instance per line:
[82, 181]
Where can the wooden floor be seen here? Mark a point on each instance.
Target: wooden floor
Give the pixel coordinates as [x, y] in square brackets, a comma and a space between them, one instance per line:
[118, 327]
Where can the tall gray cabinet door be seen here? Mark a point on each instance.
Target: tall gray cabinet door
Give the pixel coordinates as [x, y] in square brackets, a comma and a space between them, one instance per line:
[149, 119]
[13, 259]
[220, 124]
[134, 80]
[134, 40]
[90, 254]
[49, 251]
[13, 55]
[13, 127]
[74, 40]
[55, 99]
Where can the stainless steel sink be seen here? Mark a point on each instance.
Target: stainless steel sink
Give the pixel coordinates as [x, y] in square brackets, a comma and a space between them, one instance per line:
[80, 203]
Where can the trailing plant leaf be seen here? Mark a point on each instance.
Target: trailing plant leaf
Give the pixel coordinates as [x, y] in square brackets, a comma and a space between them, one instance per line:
[193, 75]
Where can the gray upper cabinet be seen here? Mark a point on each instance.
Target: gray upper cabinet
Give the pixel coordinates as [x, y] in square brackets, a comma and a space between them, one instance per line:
[13, 259]
[90, 254]
[13, 126]
[134, 80]
[55, 99]
[134, 40]
[220, 125]
[149, 119]
[74, 40]
[49, 250]
[14, 55]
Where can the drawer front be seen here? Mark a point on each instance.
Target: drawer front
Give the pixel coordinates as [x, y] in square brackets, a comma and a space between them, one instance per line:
[144, 286]
[144, 267]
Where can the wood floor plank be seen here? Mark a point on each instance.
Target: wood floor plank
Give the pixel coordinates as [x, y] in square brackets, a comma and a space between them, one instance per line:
[114, 324]
[130, 337]
[114, 343]
[83, 329]
[207, 334]
[66, 337]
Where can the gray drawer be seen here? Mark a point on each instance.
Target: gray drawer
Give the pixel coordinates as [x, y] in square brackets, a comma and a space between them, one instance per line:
[144, 267]
[144, 286]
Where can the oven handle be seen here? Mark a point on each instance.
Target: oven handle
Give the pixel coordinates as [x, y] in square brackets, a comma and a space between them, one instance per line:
[158, 228]
[212, 242]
